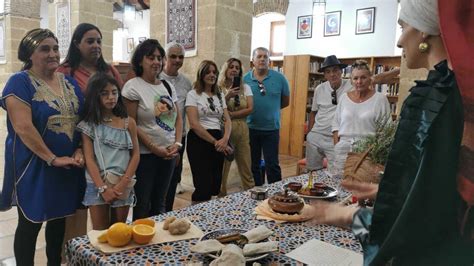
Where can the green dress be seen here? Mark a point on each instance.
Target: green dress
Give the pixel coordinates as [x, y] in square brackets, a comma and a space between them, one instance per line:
[415, 218]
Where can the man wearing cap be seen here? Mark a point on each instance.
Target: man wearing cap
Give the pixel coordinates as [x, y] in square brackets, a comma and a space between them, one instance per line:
[319, 143]
[270, 94]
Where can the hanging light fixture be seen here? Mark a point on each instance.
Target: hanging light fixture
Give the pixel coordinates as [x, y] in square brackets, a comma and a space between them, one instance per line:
[319, 8]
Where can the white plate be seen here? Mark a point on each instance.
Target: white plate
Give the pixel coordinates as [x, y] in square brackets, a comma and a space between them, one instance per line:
[217, 233]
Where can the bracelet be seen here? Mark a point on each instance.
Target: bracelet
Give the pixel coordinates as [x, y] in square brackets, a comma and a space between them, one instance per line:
[50, 161]
[179, 144]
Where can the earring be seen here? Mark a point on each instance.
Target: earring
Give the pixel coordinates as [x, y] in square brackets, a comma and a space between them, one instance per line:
[423, 47]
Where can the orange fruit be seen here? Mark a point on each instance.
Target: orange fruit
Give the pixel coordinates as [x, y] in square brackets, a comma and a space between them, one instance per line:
[119, 234]
[142, 233]
[146, 221]
[103, 237]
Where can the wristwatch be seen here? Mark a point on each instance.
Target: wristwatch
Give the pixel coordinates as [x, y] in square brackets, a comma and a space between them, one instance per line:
[102, 189]
[179, 144]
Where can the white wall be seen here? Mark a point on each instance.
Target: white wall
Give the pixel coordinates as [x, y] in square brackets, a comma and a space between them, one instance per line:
[136, 27]
[261, 28]
[380, 43]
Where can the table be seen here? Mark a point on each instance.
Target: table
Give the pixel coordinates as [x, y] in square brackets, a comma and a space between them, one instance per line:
[233, 211]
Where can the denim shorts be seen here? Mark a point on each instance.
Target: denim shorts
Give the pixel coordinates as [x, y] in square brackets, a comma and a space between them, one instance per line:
[93, 198]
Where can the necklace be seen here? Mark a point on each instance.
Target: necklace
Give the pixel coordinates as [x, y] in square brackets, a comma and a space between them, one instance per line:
[107, 119]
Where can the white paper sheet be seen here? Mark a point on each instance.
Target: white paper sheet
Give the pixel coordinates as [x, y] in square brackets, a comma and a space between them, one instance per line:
[316, 252]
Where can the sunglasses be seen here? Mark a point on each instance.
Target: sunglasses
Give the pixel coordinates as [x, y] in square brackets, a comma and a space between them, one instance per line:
[212, 106]
[262, 89]
[236, 101]
[334, 97]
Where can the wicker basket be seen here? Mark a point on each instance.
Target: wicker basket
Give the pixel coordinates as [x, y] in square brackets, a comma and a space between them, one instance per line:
[359, 167]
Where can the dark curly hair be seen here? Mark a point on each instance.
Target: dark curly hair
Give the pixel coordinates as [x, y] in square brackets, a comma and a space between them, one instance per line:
[146, 48]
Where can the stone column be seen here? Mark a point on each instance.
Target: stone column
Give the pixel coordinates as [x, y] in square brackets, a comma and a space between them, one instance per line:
[224, 31]
[97, 12]
[20, 16]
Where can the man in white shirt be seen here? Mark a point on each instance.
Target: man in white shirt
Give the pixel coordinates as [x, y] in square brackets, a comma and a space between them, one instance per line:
[174, 61]
[319, 142]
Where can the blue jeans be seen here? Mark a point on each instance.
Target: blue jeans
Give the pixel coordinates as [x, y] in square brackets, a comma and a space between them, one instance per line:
[153, 180]
[268, 142]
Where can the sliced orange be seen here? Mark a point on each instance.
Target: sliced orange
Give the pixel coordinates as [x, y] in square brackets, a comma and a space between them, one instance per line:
[146, 221]
[119, 234]
[142, 233]
[103, 237]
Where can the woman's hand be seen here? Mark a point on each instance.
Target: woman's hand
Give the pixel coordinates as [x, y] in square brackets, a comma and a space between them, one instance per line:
[110, 194]
[361, 190]
[221, 145]
[332, 213]
[232, 93]
[65, 162]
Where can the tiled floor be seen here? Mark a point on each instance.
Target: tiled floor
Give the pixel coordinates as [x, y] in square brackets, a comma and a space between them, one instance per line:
[8, 219]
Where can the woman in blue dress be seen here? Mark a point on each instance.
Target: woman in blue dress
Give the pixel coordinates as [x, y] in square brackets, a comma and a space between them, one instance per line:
[42, 155]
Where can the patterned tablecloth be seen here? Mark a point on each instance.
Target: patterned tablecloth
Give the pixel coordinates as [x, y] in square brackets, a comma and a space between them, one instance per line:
[233, 211]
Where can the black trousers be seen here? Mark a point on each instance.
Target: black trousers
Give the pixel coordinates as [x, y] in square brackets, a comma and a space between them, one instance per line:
[26, 233]
[175, 179]
[153, 181]
[206, 165]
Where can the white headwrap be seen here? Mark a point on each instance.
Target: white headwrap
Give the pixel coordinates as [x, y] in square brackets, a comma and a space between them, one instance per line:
[421, 15]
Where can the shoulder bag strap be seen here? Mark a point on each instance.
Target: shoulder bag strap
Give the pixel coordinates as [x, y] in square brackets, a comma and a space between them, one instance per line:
[168, 87]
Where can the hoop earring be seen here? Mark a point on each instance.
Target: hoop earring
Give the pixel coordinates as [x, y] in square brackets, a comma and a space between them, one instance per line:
[423, 47]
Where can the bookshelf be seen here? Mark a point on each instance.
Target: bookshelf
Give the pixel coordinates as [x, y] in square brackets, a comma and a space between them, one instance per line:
[303, 77]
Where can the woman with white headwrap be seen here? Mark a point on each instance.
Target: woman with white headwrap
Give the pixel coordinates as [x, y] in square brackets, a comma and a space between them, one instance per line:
[416, 212]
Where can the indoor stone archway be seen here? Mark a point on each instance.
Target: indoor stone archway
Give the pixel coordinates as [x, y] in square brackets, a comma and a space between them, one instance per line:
[261, 7]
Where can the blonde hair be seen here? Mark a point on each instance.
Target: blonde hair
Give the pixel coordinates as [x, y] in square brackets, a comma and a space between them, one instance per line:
[223, 72]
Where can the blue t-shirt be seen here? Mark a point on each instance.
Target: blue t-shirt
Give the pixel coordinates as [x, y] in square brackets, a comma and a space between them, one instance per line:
[266, 108]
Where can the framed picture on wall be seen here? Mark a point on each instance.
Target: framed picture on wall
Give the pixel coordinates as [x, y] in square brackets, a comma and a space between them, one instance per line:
[365, 20]
[305, 27]
[332, 23]
[130, 45]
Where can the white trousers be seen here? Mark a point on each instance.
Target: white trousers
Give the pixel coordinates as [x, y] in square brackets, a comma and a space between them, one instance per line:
[318, 147]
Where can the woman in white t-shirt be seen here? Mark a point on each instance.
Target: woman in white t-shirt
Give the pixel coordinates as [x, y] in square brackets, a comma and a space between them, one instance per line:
[357, 113]
[239, 100]
[207, 144]
[152, 103]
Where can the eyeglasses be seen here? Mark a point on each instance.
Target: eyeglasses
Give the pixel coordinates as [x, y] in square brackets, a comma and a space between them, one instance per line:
[212, 106]
[263, 91]
[334, 97]
[236, 101]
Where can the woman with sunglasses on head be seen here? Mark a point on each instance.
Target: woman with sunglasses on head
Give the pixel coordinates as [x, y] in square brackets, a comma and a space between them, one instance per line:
[84, 57]
[239, 100]
[419, 217]
[152, 103]
[358, 113]
[207, 139]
